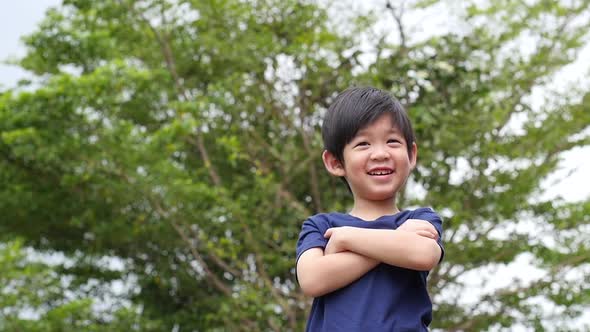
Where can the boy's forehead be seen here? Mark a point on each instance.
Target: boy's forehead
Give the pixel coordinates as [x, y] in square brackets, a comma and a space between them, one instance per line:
[394, 128]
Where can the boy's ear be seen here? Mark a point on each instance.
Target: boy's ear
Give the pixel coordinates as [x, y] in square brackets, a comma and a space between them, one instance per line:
[333, 165]
[414, 156]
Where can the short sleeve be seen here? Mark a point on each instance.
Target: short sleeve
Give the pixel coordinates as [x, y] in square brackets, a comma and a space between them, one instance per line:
[312, 235]
[432, 217]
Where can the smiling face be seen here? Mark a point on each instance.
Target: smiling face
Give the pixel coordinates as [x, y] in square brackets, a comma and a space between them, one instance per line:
[376, 162]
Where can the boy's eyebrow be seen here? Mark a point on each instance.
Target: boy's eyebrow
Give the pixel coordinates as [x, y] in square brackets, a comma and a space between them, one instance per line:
[364, 131]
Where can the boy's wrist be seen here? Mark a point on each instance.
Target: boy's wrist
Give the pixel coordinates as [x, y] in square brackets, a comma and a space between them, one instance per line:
[348, 236]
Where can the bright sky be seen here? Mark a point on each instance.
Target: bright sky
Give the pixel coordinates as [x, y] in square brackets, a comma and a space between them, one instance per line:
[17, 18]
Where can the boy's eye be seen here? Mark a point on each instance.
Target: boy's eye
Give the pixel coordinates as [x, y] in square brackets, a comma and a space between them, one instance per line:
[362, 144]
[393, 140]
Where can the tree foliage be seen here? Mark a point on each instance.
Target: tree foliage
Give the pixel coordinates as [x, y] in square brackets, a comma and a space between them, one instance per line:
[37, 297]
[182, 139]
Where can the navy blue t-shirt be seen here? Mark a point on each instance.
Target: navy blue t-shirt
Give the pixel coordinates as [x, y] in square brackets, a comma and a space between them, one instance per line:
[387, 298]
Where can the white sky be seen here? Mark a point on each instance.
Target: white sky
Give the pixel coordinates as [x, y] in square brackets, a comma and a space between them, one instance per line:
[17, 18]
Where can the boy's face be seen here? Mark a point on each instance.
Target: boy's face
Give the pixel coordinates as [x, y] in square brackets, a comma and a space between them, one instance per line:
[376, 161]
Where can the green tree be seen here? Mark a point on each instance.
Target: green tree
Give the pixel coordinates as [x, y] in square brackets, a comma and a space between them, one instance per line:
[161, 136]
[182, 139]
[32, 299]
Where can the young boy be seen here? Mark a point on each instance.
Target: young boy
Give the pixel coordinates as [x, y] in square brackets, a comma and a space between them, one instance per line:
[367, 269]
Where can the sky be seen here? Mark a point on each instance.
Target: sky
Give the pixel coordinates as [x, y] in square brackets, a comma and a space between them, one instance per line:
[17, 18]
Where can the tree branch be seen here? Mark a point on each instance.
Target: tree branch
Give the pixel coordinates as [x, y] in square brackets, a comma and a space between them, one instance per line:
[266, 279]
[218, 261]
[397, 16]
[182, 92]
[210, 276]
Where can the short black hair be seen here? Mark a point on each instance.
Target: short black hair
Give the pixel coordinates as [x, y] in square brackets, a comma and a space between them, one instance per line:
[356, 108]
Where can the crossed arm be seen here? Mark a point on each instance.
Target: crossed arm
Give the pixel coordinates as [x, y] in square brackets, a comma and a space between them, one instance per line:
[351, 252]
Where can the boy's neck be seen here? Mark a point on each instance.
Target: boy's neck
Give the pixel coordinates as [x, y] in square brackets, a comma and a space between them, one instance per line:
[371, 210]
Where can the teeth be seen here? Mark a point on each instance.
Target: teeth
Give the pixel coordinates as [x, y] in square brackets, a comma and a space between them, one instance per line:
[380, 172]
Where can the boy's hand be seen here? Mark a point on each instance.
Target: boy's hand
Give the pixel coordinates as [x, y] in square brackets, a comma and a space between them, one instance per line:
[336, 237]
[420, 227]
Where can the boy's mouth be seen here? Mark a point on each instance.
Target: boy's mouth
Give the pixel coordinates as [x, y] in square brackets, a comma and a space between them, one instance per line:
[380, 172]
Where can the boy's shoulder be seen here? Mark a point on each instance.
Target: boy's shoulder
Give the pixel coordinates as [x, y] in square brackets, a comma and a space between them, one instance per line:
[325, 217]
[426, 213]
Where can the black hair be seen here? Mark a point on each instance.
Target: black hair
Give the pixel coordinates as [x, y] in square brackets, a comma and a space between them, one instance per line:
[356, 108]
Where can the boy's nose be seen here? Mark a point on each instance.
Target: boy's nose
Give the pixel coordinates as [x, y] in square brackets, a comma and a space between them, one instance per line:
[379, 153]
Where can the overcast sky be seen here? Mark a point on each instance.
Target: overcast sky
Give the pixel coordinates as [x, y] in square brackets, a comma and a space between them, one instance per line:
[18, 18]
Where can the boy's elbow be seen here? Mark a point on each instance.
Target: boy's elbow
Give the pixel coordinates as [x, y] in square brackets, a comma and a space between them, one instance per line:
[311, 287]
[310, 290]
[426, 264]
[429, 258]
[313, 284]
[309, 282]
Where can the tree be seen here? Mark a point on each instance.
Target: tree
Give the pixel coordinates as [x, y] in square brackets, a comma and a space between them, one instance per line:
[154, 137]
[32, 299]
[182, 139]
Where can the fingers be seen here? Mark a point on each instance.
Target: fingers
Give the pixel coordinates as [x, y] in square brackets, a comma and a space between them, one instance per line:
[329, 249]
[427, 234]
[413, 225]
[424, 234]
[332, 246]
[328, 233]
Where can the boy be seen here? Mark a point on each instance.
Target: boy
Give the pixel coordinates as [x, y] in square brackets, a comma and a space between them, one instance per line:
[367, 269]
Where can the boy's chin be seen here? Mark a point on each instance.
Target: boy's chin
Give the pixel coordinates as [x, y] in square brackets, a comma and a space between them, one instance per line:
[380, 196]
